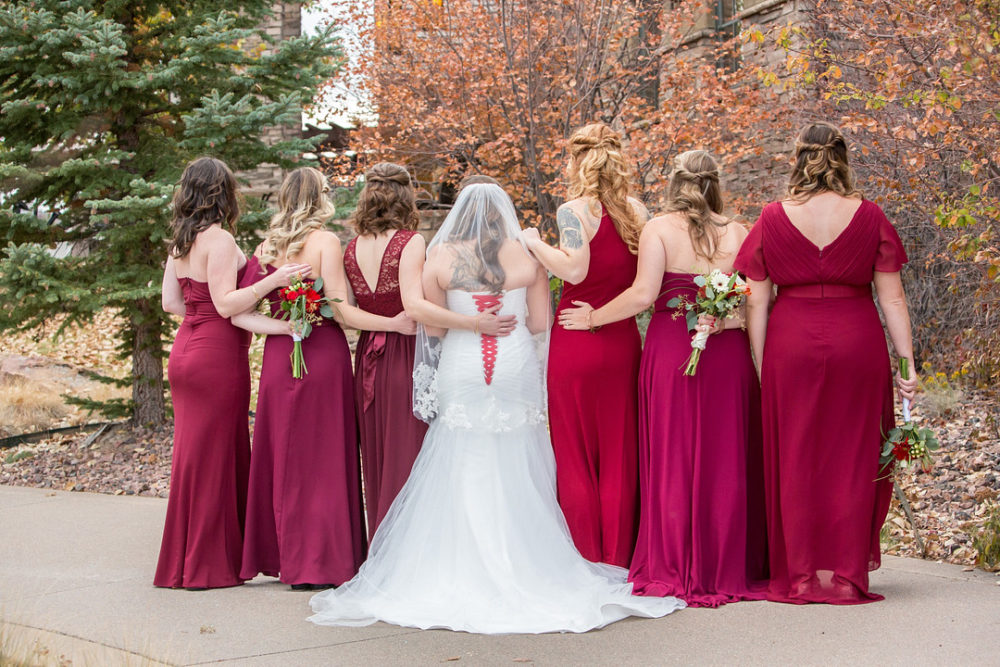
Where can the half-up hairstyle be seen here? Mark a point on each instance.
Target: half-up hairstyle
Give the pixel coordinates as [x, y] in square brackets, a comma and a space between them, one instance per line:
[206, 195]
[598, 169]
[821, 164]
[387, 201]
[303, 207]
[694, 192]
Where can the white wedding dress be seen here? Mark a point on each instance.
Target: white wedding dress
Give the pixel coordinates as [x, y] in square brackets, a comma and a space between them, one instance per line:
[476, 541]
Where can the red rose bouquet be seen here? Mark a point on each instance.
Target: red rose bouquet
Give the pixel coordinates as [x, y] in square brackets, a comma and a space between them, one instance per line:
[907, 445]
[718, 295]
[303, 305]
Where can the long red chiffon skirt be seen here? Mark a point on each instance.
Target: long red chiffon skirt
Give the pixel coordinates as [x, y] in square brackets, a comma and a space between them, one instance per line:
[390, 435]
[702, 533]
[304, 518]
[827, 399]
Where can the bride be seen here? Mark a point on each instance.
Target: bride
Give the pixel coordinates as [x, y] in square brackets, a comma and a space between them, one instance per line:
[476, 541]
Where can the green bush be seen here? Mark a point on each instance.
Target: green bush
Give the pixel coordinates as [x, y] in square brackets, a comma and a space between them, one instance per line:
[986, 541]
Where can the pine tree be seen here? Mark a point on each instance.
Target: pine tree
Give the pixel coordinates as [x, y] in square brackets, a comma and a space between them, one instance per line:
[103, 103]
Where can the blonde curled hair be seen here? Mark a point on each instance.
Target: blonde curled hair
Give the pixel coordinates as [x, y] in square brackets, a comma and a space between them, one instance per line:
[303, 207]
[694, 191]
[821, 164]
[387, 201]
[598, 169]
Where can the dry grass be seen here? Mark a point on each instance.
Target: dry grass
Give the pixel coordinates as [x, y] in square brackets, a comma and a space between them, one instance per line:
[986, 542]
[21, 646]
[26, 405]
[941, 395]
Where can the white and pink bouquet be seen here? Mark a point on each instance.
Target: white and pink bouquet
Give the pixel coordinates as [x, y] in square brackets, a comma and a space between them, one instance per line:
[719, 295]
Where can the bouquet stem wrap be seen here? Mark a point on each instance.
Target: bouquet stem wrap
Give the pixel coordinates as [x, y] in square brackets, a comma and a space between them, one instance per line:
[697, 347]
[298, 361]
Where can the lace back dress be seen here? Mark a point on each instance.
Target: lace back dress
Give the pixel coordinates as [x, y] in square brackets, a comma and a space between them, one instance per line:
[383, 366]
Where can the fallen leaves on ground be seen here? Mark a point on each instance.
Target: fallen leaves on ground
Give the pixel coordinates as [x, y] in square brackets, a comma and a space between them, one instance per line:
[953, 499]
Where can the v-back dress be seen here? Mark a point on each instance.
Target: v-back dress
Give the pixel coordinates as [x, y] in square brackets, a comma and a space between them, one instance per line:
[209, 376]
[383, 384]
[304, 519]
[827, 396]
[593, 409]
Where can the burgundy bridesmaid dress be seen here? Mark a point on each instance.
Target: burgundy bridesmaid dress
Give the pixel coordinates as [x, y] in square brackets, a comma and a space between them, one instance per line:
[209, 376]
[304, 516]
[593, 410]
[701, 527]
[383, 385]
[826, 391]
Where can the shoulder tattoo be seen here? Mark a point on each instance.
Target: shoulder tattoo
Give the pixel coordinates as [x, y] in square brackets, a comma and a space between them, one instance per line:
[570, 229]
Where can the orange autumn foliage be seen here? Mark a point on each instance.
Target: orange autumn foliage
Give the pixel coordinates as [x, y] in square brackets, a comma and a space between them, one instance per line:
[496, 87]
[916, 85]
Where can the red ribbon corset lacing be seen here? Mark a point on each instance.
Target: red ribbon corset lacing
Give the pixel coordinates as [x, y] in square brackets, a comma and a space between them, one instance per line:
[487, 343]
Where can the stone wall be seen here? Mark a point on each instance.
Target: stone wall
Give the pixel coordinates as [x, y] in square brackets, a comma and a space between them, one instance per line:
[760, 177]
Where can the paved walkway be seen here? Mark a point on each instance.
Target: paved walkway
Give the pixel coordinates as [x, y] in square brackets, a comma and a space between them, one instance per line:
[76, 572]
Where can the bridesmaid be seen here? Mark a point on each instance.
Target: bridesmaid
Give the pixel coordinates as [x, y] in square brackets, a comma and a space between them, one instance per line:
[701, 524]
[385, 220]
[381, 281]
[304, 517]
[826, 380]
[592, 375]
[209, 379]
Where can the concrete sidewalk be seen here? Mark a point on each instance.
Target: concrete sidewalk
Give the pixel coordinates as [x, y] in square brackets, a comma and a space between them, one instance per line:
[76, 575]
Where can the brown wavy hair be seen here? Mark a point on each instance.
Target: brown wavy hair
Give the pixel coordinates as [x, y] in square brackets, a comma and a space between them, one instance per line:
[694, 191]
[207, 194]
[821, 164]
[303, 207]
[598, 169]
[388, 201]
[478, 179]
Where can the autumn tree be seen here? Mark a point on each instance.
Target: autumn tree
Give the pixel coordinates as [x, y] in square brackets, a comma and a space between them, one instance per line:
[917, 86]
[496, 86]
[103, 104]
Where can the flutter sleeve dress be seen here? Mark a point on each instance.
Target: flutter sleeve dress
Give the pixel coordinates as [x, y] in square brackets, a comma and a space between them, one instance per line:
[826, 391]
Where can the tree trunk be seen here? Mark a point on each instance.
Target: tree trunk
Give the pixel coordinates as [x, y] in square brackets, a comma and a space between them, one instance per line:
[147, 365]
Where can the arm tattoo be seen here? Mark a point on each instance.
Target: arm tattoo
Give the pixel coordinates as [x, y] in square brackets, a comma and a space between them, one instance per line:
[570, 229]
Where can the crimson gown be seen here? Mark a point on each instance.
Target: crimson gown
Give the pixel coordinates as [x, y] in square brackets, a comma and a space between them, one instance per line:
[383, 385]
[701, 488]
[826, 387]
[304, 516]
[209, 376]
[593, 409]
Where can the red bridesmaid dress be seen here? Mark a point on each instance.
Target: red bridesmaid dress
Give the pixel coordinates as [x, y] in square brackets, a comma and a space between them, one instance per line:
[827, 398]
[701, 483]
[383, 385]
[209, 376]
[304, 517]
[593, 409]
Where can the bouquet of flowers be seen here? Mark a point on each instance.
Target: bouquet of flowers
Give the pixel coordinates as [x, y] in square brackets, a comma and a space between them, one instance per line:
[303, 304]
[719, 294]
[907, 445]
